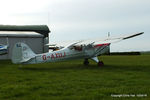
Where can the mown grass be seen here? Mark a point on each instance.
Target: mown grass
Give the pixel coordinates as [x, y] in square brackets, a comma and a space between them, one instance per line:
[72, 81]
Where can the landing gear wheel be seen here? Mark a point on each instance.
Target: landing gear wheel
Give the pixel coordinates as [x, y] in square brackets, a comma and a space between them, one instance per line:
[100, 63]
[86, 62]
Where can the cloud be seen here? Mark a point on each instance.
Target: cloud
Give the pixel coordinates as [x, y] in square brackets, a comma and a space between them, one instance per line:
[76, 19]
[96, 13]
[22, 6]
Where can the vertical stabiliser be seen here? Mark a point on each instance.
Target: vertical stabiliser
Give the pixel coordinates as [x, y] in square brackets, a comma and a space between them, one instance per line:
[21, 53]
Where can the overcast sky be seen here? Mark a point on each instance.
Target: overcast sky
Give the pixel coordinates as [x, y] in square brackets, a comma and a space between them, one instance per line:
[83, 19]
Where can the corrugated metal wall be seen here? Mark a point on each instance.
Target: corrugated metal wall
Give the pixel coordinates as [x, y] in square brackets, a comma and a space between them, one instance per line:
[35, 43]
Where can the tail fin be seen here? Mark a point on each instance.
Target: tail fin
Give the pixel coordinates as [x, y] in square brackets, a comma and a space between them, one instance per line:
[21, 53]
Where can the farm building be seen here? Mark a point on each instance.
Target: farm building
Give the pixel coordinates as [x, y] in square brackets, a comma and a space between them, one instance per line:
[35, 36]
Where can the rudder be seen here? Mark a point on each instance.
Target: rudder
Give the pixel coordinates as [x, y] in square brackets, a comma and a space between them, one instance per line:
[21, 53]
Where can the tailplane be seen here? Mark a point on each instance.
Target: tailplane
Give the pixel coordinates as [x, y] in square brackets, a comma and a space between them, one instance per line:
[21, 53]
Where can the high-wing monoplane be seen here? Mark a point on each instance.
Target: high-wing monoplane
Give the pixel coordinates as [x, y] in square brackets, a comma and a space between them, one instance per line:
[3, 49]
[85, 49]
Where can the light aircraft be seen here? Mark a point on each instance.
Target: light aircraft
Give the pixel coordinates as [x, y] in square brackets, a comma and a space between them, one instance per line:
[85, 49]
[3, 49]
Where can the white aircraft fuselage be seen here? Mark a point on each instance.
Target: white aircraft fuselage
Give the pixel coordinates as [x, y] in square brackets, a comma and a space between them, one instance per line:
[67, 54]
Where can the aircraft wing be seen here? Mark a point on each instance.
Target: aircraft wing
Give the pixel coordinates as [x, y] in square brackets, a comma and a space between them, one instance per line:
[97, 41]
[109, 39]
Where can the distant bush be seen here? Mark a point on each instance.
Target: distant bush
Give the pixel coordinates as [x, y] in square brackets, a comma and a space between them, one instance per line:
[145, 53]
[125, 53]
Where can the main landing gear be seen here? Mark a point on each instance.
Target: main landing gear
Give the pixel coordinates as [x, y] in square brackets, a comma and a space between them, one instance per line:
[99, 63]
[86, 62]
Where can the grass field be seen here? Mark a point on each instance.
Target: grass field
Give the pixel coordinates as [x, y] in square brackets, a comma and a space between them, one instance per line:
[124, 76]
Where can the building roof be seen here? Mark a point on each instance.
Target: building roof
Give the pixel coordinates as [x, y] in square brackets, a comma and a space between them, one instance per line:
[41, 29]
[20, 34]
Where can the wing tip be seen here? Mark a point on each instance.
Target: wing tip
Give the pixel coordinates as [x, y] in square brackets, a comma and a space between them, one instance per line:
[140, 33]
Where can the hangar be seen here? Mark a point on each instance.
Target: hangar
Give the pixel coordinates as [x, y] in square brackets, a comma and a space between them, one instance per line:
[36, 36]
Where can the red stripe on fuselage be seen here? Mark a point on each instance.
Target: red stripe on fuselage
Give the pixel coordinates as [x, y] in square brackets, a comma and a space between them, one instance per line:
[99, 45]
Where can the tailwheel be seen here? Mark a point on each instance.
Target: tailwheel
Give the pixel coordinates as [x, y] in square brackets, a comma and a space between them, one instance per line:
[100, 63]
[86, 62]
